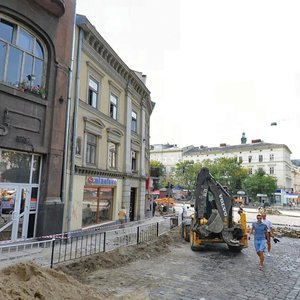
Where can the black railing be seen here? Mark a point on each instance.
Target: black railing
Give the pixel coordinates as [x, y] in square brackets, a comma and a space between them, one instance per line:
[71, 248]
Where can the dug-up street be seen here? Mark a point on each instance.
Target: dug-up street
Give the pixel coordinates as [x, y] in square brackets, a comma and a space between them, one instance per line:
[164, 269]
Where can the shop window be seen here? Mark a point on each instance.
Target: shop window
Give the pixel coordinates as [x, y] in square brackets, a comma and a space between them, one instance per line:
[113, 106]
[97, 205]
[134, 121]
[91, 146]
[112, 155]
[22, 58]
[93, 92]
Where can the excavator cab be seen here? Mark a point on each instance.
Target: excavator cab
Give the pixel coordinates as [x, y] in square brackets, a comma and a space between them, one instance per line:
[212, 221]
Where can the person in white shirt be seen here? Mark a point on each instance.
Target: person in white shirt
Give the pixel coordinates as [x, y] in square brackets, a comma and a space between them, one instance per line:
[270, 231]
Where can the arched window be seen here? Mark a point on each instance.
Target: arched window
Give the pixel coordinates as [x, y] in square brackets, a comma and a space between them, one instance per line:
[22, 57]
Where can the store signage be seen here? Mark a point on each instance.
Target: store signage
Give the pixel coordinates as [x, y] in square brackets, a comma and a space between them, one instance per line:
[101, 181]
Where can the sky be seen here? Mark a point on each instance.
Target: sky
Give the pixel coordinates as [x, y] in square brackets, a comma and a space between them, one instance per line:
[215, 68]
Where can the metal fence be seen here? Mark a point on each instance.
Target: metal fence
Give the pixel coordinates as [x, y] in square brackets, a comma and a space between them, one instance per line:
[66, 247]
[70, 248]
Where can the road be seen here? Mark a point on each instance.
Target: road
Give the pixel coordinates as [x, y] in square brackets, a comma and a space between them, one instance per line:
[211, 274]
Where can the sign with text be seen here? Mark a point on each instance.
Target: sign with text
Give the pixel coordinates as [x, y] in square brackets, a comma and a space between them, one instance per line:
[100, 181]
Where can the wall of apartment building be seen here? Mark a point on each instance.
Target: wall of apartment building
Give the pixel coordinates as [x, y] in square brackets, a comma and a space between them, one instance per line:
[275, 159]
[125, 185]
[33, 104]
[168, 157]
[280, 161]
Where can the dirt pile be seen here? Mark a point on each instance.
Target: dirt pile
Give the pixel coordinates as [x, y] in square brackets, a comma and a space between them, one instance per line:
[288, 232]
[79, 269]
[28, 281]
[272, 211]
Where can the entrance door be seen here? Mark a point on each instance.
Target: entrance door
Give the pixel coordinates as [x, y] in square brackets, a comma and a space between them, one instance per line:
[14, 212]
[132, 204]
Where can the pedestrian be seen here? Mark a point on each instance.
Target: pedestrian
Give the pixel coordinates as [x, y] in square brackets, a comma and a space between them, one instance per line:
[154, 208]
[270, 231]
[260, 230]
[122, 215]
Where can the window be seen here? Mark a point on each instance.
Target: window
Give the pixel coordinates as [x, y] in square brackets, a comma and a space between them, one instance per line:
[133, 161]
[240, 159]
[272, 172]
[91, 146]
[93, 92]
[112, 155]
[260, 158]
[134, 121]
[113, 106]
[271, 157]
[249, 158]
[22, 57]
[250, 171]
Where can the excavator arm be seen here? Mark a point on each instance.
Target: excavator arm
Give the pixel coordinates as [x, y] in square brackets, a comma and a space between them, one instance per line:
[214, 204]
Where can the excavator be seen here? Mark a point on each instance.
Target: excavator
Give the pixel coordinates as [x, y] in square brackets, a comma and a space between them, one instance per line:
[212, 221]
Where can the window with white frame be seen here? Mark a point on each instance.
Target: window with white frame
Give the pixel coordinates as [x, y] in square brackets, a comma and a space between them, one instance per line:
[250, 171]
[112, 155]
[134, 161]
[260, 158]
[113, 109]
[91, 147]
[22, 57]
[272, 171]
[271, 157]
[134, 121]
[93, 92]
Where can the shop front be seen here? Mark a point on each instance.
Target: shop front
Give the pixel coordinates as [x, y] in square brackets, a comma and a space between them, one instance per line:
[98, 200]
[19, 194]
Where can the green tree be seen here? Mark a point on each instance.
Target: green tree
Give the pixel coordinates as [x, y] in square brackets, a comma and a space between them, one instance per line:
[260, 183]
[157, 172]
[186, 174]
[228, 172]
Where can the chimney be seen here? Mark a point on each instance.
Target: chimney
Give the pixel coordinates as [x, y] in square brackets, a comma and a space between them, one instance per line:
[223, 145]
[144, 77]
[256, 141]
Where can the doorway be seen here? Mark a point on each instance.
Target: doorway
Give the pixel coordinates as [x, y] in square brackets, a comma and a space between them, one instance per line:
[132, 204]
[17, 211]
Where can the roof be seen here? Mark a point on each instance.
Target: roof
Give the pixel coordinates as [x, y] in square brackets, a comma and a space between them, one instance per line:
[233, 148]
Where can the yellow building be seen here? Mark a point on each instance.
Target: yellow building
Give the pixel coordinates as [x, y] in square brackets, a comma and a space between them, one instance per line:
[109, 153]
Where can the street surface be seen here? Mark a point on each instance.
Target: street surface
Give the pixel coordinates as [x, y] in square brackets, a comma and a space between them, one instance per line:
[211, 274]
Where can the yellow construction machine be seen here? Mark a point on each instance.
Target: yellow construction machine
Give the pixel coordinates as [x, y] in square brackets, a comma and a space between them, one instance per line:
[212, 221]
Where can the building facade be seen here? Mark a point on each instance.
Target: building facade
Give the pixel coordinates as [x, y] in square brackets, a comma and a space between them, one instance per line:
[35, 56]
[109, 134]
[274, 159]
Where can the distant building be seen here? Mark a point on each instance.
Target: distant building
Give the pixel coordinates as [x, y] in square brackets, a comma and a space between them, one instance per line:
[274, 159]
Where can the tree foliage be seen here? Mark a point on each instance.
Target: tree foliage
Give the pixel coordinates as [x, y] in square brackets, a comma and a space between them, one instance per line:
[260, 183]
[157, 171]
[227, 171]
[186, 174]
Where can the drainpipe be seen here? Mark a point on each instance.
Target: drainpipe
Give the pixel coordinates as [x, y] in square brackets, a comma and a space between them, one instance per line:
[67, 135]
[75, 121]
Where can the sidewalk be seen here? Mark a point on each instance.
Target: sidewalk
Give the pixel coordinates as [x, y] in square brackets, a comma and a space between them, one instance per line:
[39, 251]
